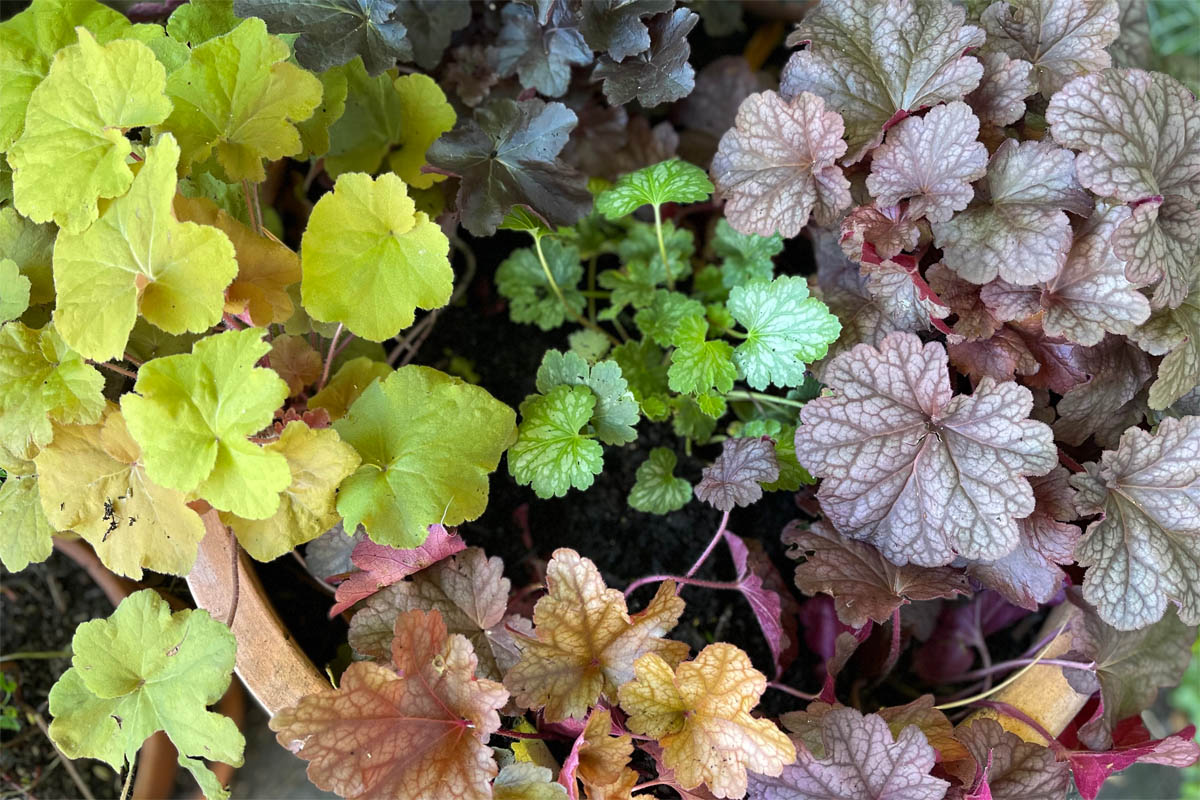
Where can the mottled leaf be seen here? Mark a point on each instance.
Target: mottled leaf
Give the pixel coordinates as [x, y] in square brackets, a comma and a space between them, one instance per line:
[736, 476]
[379, 566]
[1011, 768]
[655, 488]
[1000, 97]
[552, 453]
[785, 330]
[699, 364]
[522, 279]
[616, 410]
[1061, 38]
[1174, 333]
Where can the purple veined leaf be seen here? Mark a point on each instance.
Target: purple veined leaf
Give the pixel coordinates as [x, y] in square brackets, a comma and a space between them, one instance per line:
[1174, 333]
[1001, 357]
[1030, 574]
[736, 477]
[616, 27]
[961, 632]
[1111, 399]
[975, 319]
[754, 573]
[381, 566]
[1138, 137]
[1000, 98]
[930, 161]
[864, 585]
[1132, 744]
[890, 230]
[1132, 47]
[1062, 38]
[919, 472]
[862, 761]
[1009, 768]
[776, 166]
[541, 55]
[876, 62]
[661, 73]
[1016, 229]
[897, 284]
[1144, 549]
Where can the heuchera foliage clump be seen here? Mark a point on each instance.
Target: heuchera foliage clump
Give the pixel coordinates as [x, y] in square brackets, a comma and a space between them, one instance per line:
[986, 404]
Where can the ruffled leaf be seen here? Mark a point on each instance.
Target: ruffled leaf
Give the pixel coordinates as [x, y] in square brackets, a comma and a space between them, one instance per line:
[552, 453]
[616, 411]
[672, 181]
[616, 27]
[661, 73]
[1174, 333]
[785, 330]
[736, 476]
[541, 56]
[1060, 38]
[1007, 766]
[698, 363]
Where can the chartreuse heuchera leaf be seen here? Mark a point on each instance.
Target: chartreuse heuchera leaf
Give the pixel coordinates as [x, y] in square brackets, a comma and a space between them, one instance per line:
[1145, 548]
[14, 290]
[616, 411]
[195, 23]
[427, 115]
[553, 453]
[25, 534]
[699, 712]
[347, 385]
[672, 181]
[31, 247]
[319, 461]
[427, 442]
[191, 415]
[921, 473]
[42, 381]
[93, 481]
[73, 150]
[238, 98]
[656, 489]
[138, 259]
[785, 329]
[143, 670]
[370, 258]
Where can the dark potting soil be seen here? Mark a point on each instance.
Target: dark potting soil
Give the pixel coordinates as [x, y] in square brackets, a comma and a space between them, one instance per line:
[41, 607]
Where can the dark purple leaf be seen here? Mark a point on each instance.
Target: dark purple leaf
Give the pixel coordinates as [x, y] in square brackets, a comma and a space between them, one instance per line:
[616, 27]
[540, 55]
[662, 73]
[1011, 768]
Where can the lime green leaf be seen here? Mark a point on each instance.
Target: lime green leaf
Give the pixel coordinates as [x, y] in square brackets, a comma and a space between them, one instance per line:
[25, 535]
[31, 246]
[319, 460]
[711, 404]
[657, 490]
[642, 365]
[14, 290]
[428, 442]
[347, 385]
[745, 257]
[370, 259]
[673, 181]
[29, 41]
[74, 149]
[616, 410]
[641, 244]
[426, 116]
[689, 420]
[589, 344]
[315, 131]
[93, 482]
[526, 220]
[191, 415]
[373, 120]
[531, 298]
[697, 364]
[42, 380]
[785, 330]
[662, 317]
[138, 258]
[239, 96]
[551, 454]
[196, 22]
[143, 670]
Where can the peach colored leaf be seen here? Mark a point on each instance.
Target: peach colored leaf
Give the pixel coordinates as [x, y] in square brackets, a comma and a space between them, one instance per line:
[295, 360]
[585, 641]
[420, 734]
[382, 565]
[700, 714]
[598, 760]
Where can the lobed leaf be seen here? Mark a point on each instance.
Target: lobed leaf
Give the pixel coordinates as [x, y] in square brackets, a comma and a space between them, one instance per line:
[785, 329]
[745, 257]
[697, 363]
[735, 477]
[671, 181]
[431, 24]
[616, 27]
[25, 534]
[661, 73]
[616, 411]
[1174, 333]
[347, 385]
[541, 55]
[552, 454]
[1009, 767]
[379, 566]
[656, 489]
[999, 99]
[1060, 38]
[522, 280]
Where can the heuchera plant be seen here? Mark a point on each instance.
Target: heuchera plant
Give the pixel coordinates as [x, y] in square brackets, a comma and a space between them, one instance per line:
[986, 407]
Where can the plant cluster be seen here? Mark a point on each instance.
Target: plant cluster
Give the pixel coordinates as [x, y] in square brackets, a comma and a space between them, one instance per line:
[992, 384]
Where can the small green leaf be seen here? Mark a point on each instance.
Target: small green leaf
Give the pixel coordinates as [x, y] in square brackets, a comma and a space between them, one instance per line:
[785, 330]
[427, 441]
[656, 489]
[698, 364]
[31, 246]
[640, 244]
[589, 344]
[689, 421]
[616, 409]
[745, 257]
[370, 259]
[195, 23]
[25, 534]
[662, 318]
[673, 181]
[144, 670]
[551, 453]
[711, 404]
[14, 290]
[522, 280]
[521, 218]
[191, 415]
[643, 366]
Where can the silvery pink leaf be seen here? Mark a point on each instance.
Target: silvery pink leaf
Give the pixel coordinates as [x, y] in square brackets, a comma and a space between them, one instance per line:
[735, 477]
[1000, 98]
[921, 473]
[1062, 38]
[1030, 574]
[1132, 47]
[890, 230]
[862, 761]
[1011, 768]
[930, 161]
[975, 318]
[1175, 334]
[1010, 301]
[1138, 137]
[1018, 229]
[876, 61]
[776, 165]
[864, 585]
[1145, 549]
[1111, 399]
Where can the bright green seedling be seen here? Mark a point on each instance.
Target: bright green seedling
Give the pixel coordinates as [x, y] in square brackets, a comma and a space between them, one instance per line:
[616, 409]
[191, 415]
[657, 489]
[542, 282]
[745, 257]
[370, 259]
[785, 330]
[428, 442]
[553, 453]
[699, 363]
[137, 259]
[144, 670]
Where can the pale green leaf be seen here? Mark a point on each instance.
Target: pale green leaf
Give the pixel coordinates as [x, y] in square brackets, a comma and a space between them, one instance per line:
[745, 257]
[656, 489]
[551, 453]
[14, 290]
[616, 409]
[698, 364]
[786, 329]
[25, 535]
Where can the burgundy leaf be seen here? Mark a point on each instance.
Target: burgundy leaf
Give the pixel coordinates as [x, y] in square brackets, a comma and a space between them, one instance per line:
[1111, 399]
[382, 565]
[735, 477]
[754, 571]
[961, 632]
[890, 230]
[1132, 744]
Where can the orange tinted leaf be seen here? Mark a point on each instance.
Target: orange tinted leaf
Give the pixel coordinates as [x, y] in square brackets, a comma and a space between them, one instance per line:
[700, 714]
[585, 641]
[599, 760]
[420, 735]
